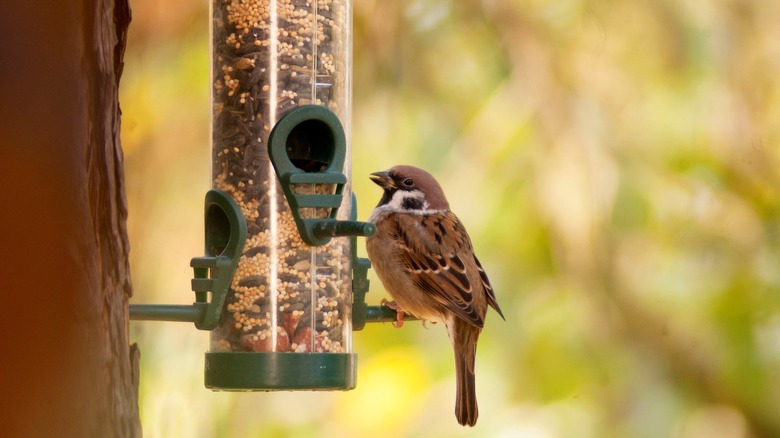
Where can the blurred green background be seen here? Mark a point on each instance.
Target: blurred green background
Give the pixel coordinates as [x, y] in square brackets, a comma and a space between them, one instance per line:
[616, 163]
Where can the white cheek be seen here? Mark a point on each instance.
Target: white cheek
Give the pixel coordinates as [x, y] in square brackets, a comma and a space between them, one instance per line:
[397, 203]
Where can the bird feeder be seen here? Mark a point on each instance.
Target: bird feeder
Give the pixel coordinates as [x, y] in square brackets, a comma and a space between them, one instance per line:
[280, 287]
[281, 79]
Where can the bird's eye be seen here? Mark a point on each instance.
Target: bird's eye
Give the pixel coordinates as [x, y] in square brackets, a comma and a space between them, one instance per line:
[408, 182]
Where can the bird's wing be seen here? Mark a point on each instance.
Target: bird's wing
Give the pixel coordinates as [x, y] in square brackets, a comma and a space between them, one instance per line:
[437, 254]
[491, 296]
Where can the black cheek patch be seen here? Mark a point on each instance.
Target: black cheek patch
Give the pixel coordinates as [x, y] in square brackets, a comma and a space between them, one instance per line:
[412, 204]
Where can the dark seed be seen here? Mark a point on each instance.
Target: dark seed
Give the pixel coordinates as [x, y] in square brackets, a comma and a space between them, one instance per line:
[253, 229]
[252, 281]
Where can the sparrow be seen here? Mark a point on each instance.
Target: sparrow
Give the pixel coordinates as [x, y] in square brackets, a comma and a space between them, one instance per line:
[423, 256]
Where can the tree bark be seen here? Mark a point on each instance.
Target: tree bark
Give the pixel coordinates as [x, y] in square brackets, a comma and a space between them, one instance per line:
[67, 368]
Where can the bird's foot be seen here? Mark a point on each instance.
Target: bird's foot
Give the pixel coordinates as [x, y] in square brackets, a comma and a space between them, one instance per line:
[399, 312]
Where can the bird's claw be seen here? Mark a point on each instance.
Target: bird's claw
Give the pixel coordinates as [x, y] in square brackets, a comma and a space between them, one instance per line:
[399, 312]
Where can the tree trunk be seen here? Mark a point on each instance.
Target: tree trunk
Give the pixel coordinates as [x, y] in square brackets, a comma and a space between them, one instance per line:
[67, 368]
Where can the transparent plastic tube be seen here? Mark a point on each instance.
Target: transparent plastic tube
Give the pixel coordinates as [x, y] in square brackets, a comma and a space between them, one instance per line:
[270, 57]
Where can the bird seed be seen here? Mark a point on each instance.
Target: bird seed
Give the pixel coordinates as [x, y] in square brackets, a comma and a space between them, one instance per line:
[285, 294]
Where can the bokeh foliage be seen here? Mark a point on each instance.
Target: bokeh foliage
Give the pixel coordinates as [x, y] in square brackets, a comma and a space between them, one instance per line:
[617, 165]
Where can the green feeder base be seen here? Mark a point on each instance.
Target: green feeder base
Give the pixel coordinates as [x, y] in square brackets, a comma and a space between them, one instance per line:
[248, 371]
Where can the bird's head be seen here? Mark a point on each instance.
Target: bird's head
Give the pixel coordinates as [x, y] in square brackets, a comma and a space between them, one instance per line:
[410, 189]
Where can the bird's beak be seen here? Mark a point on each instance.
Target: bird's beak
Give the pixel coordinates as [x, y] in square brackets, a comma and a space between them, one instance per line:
[383, 179]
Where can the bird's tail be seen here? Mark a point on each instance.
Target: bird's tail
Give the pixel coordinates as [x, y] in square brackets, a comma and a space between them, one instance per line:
[464, 336]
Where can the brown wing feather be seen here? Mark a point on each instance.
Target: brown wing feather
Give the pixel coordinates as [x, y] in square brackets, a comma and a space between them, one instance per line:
[491, 296]
[438, 256]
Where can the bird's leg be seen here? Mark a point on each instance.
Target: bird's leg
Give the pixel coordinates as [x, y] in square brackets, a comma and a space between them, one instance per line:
[399, 312]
